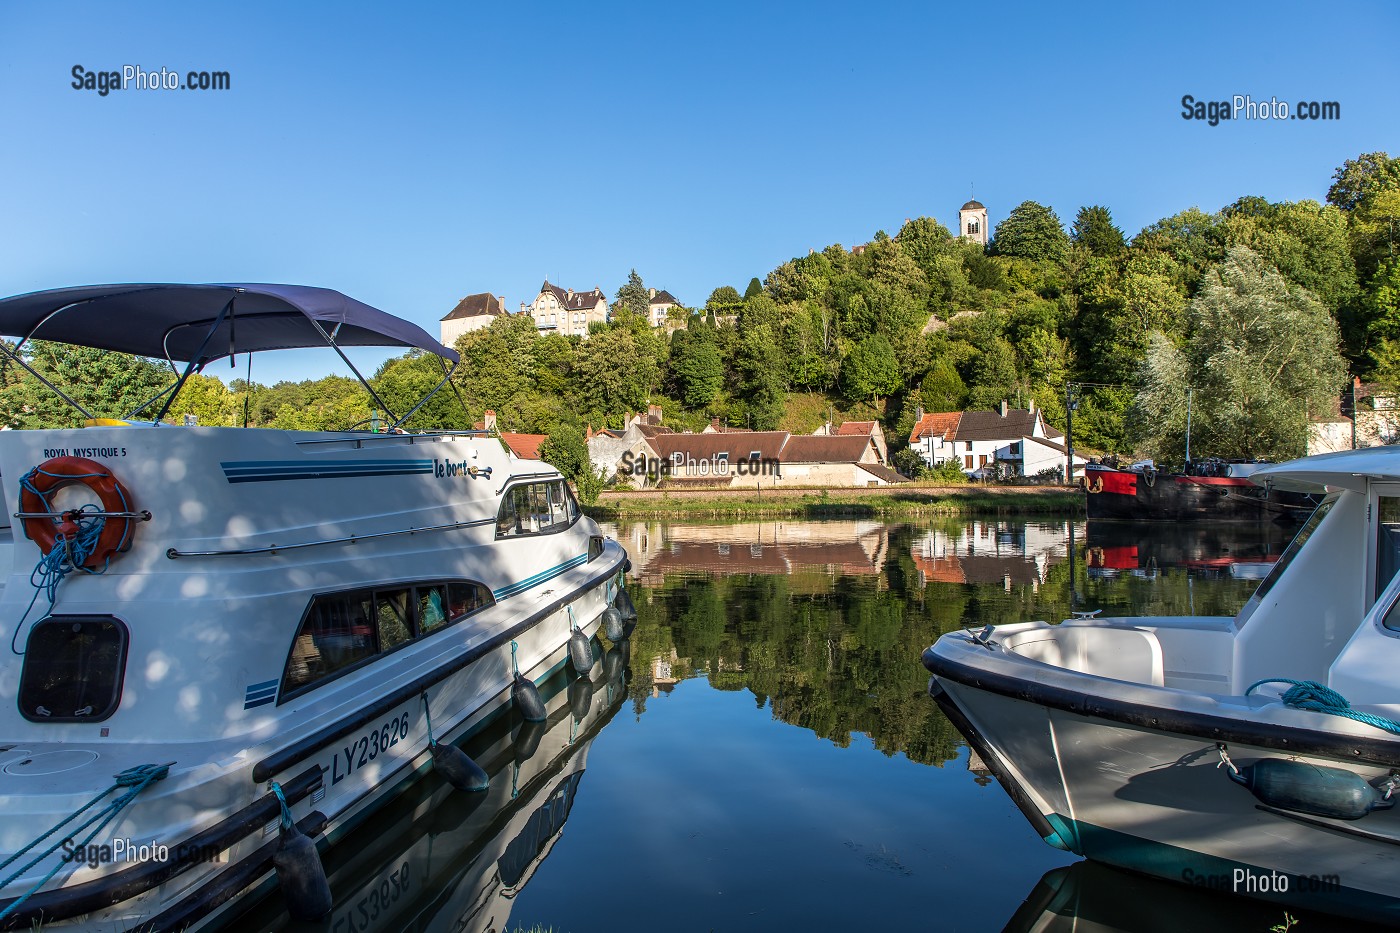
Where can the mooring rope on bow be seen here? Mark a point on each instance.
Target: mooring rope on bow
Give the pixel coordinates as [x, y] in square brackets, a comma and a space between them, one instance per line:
[1319, 698]
[135, 779]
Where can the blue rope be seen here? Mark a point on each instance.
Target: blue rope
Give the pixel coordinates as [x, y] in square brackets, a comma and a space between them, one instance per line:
[135, 779]
[286, 810]
[513, 662]
[1319, 698]
[68, 554]
[428, 716]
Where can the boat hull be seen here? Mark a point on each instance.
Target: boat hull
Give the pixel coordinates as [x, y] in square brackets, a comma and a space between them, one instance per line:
[1094, 776]
[1124, 495]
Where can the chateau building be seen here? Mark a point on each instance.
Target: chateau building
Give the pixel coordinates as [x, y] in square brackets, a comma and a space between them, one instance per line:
[565, 311]
[472, 313]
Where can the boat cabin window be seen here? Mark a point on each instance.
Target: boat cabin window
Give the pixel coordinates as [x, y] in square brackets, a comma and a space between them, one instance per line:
[341, 631]
[73, 669]
[1293, 548]
[536, 508]
[1387, 542]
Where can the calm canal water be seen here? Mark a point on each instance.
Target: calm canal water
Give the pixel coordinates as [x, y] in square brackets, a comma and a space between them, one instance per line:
[766, 757]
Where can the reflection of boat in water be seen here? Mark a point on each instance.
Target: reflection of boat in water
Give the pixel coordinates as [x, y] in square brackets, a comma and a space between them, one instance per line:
[1242, 550]
[264, 620]
[1168, 745]
[1087, 897]
[1212, 490]
[439, 859]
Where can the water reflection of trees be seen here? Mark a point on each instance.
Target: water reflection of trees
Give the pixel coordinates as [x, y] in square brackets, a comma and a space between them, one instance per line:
[835, 648]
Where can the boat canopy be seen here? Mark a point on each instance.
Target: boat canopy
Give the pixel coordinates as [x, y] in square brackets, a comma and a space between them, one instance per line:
[199, 323]
[195, 324]
[1345, 469]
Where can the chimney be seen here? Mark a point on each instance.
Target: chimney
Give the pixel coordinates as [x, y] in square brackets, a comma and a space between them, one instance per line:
[654, 414]
[489, 422]
[714, 423]
[1030, 406]
[918, 414]
[501, 302]
[1003, 408]
[652, 292]
[571, 295]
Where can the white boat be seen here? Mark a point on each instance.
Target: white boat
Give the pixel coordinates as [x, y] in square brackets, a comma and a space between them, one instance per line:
[437, 859]
[258, 613]
[1151, 743]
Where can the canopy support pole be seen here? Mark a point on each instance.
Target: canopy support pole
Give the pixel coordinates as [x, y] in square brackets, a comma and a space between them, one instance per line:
[445, 379]
[14, 355]
[363, 381]
[174, 390]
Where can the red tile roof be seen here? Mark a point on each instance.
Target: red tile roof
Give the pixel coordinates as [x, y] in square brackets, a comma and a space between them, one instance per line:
[941, 422]
[865, 428]
[525, 446]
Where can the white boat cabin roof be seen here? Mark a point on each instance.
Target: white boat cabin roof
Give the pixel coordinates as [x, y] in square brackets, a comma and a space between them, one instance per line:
[1346, 469]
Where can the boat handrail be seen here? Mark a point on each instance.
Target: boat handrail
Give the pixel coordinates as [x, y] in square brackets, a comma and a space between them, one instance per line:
[175, 553]
[361, 440]
[521, 476]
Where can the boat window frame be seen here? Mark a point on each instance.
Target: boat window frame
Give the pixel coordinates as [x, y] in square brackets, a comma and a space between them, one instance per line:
[1375, 590]
[571, 507]
[416, 634]
[118, 687]
[1290, 553]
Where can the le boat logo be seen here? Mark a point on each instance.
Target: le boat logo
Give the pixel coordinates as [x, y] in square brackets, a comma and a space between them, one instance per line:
[447, 469]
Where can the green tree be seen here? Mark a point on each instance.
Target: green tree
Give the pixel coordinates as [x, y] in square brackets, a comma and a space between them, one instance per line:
[209, 400]
[1261, 357]
[106, 384]
[943, 389]
[1031, 231]
[724, 300]
[760, 369]
[613, 374]
[1357, 180]
[870, 370]
[632, 296]
[696, 367]
[755, 288]
[1094, 229]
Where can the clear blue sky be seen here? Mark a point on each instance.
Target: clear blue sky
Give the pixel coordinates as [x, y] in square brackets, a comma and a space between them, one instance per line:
[411, 155]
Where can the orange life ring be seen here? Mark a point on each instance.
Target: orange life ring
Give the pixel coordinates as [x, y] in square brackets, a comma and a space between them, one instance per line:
[55, 474]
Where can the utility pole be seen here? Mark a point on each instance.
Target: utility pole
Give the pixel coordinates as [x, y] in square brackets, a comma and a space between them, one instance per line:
[1353, 412]
[1188, 429]
[1071, 402]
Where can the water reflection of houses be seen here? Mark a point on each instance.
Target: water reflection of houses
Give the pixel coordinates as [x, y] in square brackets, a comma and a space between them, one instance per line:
[762, 547]
[1007, 553]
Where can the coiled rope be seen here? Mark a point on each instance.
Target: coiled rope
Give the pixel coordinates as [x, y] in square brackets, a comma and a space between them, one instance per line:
[1319, 698]
[134, 780]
